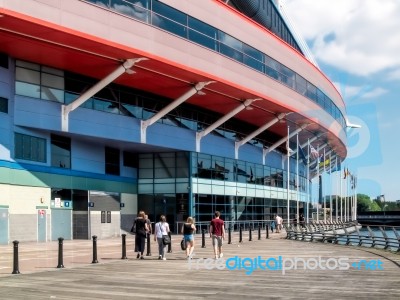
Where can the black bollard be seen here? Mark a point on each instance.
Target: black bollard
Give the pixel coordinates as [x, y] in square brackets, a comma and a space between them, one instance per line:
[250, 238]
[267, 231]
[229, 235]
[259, 232]
[60, 253]
[240, 234]
[94, 261]
[170, 244]
[148, 244]
[203, 238]
[124, 246]
[15, 264]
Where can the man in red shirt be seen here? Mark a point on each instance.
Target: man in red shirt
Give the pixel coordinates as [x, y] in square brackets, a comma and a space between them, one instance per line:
[217, 233]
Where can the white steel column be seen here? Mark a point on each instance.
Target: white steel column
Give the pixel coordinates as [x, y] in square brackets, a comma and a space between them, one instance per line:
[309, 200]
[223, 119]
[256, 132]
[66, 109]
[288, 176]
[146, 123]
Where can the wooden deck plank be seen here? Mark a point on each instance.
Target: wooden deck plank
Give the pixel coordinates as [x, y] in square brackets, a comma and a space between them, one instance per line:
[113, 278]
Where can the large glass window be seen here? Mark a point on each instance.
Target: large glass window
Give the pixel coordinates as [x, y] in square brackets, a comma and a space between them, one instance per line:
[37, 81]
[112, 161]
[30, 148]
[4, 60]
[3, 105]
[60, 151]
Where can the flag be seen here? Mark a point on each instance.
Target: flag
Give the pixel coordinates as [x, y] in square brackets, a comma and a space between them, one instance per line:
[324, 163]
[313, 153]
[302, 156]
[336, 167]
[346, 173]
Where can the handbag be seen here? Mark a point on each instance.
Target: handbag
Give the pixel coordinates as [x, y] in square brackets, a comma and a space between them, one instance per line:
[183, 244]
[166, 240]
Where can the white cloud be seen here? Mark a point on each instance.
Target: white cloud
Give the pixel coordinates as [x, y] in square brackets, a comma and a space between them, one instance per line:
[393, 75]
[361, 37]
[354, 93]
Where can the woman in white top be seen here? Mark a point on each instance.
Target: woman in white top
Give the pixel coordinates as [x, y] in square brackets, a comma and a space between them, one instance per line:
[161, 228]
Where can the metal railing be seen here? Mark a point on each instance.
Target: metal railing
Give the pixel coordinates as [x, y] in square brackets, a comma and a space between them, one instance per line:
[352, 234]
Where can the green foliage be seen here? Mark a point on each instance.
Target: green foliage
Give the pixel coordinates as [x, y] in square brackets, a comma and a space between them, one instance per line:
[375, 206]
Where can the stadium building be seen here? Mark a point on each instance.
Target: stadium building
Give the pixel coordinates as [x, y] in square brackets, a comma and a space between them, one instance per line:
[173, 107]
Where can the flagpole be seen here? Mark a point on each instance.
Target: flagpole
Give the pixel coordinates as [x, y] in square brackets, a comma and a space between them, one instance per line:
[336, 202]
[308, 180]
[355, 196]
[324, 197]
[345, 198]
[288, 176]
[331, 183]
[318, 184]
[297, 178]
[341, 197]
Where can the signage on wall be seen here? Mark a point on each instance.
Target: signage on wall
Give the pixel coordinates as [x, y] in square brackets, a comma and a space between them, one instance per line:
[57, 202]
[91, 204]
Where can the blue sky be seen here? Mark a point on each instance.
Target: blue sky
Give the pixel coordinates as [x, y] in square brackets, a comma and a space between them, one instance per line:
[357, 45]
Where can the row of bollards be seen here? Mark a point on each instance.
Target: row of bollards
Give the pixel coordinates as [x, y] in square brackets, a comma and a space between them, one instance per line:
[94, 260]
[203, 232]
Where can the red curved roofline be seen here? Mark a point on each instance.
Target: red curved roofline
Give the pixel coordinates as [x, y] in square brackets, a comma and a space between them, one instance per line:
[254, 23]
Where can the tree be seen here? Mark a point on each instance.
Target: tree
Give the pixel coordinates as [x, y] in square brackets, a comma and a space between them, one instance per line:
[375, 206]
[363, 203]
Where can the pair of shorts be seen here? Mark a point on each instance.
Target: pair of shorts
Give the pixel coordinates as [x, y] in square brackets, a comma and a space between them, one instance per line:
[217, 240]
[188, 237]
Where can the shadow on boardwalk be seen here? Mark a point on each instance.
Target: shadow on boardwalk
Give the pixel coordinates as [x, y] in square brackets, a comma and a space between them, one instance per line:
[176, 278]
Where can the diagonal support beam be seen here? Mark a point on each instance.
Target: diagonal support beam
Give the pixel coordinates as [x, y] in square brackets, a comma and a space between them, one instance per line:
[146, 123]
[257, 132]
[66, 109]
[220, 121]
[281, 141]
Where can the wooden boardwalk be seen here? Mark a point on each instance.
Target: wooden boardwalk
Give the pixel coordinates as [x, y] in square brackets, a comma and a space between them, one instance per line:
[175, 278]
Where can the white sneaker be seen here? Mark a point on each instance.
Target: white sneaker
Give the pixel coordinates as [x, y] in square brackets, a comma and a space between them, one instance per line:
[164, 258]
[221, 255]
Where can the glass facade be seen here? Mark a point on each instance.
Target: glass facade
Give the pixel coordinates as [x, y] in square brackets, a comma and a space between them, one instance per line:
[187, 27]
[238, 189]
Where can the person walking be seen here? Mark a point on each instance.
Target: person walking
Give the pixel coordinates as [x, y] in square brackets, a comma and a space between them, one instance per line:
[217, 233]
[160, 229]
[272, 226]
[188, 230]
[141, 229]
[278, 221]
